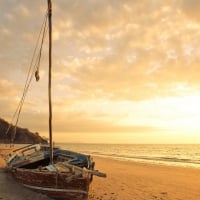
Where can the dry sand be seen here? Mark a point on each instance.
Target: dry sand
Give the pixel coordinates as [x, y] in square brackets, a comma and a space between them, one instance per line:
[138, 181]
[125, 181]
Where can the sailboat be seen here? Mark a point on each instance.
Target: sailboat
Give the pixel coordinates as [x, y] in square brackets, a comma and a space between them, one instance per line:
[57, 173]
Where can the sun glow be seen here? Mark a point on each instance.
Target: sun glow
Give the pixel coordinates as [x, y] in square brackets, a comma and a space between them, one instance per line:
[174, 113]
[133, 79]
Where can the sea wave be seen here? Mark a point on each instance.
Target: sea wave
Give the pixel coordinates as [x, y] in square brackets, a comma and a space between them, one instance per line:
[181, 155]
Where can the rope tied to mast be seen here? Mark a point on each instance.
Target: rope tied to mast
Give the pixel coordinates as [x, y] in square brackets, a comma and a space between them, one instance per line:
[33, 69]
[37, 76]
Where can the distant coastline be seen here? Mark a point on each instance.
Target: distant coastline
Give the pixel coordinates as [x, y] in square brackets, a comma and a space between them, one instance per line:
[22, 135]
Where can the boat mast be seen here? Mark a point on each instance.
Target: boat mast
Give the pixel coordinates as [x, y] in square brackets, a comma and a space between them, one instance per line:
[50, 61]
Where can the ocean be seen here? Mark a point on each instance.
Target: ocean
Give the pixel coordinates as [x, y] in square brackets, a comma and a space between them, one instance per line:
[185, 155]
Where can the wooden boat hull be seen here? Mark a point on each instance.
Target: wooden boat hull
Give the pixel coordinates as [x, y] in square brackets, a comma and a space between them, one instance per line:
[60, 194]
[68, 178]
[41, 156]
[56, 185]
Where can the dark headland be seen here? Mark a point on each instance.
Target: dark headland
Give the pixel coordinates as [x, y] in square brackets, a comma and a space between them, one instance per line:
[22, 135]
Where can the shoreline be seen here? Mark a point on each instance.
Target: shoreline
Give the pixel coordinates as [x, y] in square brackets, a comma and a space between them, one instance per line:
[159, 159]
[125, 181]
[151, 162]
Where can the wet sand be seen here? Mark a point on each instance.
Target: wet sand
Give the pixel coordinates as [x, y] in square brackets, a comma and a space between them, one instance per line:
[125, 181]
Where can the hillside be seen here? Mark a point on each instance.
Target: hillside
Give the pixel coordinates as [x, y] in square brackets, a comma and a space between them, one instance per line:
[23, 135]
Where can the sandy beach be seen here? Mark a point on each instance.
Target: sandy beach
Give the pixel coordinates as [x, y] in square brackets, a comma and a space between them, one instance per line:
[138, 181]
[125, 181]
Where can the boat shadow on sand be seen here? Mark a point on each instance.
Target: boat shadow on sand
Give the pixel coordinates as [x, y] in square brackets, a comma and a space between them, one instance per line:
[11, 190]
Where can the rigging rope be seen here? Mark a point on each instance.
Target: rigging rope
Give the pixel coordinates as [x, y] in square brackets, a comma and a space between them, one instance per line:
[33, 69]
[37, 65]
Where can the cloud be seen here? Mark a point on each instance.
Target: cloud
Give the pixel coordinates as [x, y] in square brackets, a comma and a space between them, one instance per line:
[191, 8]
[23, 10]
[112, 46]
[8, 100]
[7, 89]
[105, 51]
[127, 47]
[74, 122]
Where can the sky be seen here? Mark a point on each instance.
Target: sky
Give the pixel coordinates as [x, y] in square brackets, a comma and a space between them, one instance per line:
[124, 71]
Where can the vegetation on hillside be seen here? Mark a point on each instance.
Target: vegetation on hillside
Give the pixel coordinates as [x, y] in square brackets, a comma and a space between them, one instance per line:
[21, 136]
